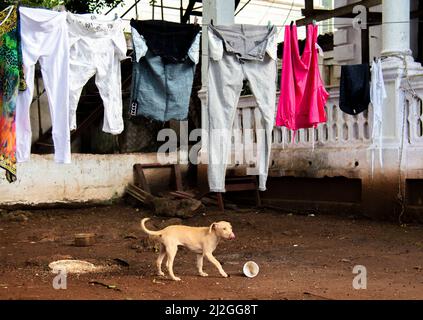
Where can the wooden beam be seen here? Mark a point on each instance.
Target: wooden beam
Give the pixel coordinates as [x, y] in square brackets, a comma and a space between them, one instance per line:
[309, 8]
[338, 12]
[418, 13]
[308, 12]
[371, 16]
[139, 178]
[237, 3]
[365, 44]
[141, 181]
[220, 203]
[309, 4]
[420, 34]
[188, 11]
[178, 177]
[196, 13]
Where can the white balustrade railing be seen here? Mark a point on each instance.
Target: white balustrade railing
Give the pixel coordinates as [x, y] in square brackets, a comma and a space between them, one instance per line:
[414, 110]
[340, 130]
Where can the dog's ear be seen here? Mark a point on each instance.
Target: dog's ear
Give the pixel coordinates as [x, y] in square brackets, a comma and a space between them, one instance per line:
[212, 227]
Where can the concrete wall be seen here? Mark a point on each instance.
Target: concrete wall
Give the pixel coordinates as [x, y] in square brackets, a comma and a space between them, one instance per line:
[347, 40]
[90, 178]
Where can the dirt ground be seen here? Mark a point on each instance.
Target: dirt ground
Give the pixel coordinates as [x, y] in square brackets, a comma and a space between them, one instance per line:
[300, 257]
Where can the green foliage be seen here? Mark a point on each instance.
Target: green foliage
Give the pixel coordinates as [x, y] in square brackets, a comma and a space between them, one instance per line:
[95, 6]
[39, 3]
[76, 6]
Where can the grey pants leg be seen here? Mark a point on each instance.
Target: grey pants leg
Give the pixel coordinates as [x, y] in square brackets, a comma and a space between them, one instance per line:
[262, 77]
[225, 84]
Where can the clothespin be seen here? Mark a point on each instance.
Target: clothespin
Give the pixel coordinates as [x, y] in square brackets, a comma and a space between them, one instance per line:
[59, 8]
[211, 22]
[292, 23]
[269, 24]
[116, 16]
[196, 20]
[320, 50]
[314, 22]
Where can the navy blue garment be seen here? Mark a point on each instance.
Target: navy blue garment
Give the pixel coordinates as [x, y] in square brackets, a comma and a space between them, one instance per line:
[354, 94]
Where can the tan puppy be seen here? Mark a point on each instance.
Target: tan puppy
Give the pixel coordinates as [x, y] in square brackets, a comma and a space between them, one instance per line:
[202, 240]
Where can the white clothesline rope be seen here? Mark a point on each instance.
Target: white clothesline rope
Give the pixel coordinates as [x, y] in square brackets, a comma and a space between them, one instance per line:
[326, 24]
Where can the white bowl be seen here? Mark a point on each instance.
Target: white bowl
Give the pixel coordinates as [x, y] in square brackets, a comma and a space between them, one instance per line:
[251, 269]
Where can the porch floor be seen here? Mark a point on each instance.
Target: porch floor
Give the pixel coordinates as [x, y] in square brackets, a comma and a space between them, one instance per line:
[300, 257]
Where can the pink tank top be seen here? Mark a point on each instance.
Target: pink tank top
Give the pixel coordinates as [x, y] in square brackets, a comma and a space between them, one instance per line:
[303, 95]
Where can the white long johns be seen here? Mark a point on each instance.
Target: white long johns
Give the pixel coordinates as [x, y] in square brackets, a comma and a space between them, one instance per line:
[96, 48]
[377, 97]
[45, 39]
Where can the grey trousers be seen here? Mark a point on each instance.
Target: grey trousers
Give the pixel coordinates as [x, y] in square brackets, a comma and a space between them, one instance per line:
[225, 82]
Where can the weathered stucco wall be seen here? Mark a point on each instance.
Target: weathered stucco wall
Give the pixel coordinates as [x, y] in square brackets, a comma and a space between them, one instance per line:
[90, 178]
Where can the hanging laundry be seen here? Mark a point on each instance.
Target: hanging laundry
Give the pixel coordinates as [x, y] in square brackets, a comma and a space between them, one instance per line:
[165, 57]
[377, 97]
[238, 53]
[45, 39]
[354, 94]
[11, 81]
[97, 46]
[303, 96]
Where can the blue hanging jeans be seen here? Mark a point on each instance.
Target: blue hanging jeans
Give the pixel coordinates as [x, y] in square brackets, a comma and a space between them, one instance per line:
[163, 71]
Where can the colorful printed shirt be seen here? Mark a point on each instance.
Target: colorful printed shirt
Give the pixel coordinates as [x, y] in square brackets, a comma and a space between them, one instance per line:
[11, 81]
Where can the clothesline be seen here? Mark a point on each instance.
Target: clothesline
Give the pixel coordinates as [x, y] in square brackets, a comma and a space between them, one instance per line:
[173, 72]
[332, 24]
[320, 64]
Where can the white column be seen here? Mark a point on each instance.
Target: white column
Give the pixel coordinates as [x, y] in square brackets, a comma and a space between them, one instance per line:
[398, 65]
[381, 188]
[222, 13]
[396, 27]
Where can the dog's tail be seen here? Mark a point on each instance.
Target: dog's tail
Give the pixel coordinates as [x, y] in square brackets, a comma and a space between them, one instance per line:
[149, 232]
